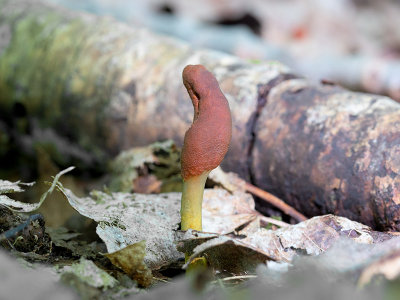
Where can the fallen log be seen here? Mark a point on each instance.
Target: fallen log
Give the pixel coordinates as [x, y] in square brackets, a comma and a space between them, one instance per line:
[108, 87]
[324, 149]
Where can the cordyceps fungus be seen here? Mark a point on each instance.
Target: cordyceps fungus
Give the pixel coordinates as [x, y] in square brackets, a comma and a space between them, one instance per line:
[206, 141]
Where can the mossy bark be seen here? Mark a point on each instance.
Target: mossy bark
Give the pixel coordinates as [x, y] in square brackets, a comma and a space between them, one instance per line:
[107, 87]
[50, 61]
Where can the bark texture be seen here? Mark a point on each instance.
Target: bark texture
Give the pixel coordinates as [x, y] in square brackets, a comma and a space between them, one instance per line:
[109, 87]
[334, 151]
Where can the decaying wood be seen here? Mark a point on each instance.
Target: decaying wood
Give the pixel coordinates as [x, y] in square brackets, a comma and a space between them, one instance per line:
[107, 86]
[334, 151]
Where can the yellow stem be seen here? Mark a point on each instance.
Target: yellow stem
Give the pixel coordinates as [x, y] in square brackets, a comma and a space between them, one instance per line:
[192, 199]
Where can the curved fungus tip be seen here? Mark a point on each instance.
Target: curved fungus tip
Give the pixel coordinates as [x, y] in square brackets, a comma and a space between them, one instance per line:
[207, 140]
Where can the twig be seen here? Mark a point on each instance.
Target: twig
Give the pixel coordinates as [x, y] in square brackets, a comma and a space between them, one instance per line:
[241, 277]
[15, 230]
[272, 220]
[275, 201]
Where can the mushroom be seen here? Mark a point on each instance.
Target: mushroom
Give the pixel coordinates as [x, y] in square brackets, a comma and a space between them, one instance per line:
[206, 141]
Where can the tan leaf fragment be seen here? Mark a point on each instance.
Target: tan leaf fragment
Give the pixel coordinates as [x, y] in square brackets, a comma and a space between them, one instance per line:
[131, 260]
[388, 267]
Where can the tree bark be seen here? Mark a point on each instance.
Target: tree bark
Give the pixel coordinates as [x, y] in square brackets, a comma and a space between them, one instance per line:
[109, 87]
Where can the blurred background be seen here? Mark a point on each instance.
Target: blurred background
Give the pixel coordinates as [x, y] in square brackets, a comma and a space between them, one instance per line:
[355, 43]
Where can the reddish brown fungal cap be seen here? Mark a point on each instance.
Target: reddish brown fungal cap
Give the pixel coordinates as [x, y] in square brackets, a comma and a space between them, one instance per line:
[207, 140]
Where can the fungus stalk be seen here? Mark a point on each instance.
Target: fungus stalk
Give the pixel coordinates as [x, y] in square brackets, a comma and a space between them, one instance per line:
[192, 199]
[206, 141]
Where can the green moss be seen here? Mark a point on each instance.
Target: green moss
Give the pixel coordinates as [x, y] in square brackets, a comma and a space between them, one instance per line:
[55, 68]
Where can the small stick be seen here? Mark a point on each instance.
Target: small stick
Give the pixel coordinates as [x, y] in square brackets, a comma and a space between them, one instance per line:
[275, 201]
[17, 229]
[240, 277]
[272, 220]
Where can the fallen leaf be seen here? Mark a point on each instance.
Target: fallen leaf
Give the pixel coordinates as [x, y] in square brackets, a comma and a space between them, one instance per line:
[124, 219]
[11, 187]
[224, 212]
[7, 187]
[130, 260]
[228, 180]
[311, 237]
[90, 274]
[62, 238]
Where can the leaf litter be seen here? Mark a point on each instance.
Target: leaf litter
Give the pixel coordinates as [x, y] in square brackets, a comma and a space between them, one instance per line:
[141, 232]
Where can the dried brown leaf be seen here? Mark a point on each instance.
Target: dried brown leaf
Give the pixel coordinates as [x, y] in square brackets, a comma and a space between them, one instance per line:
[131, 260]
[147, 184]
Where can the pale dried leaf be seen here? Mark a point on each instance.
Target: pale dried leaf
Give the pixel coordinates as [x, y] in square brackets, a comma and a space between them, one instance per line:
[10, 187]
[311, 237]
[224, 212]
[319, 233]
[124, 219]
[7, 187]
